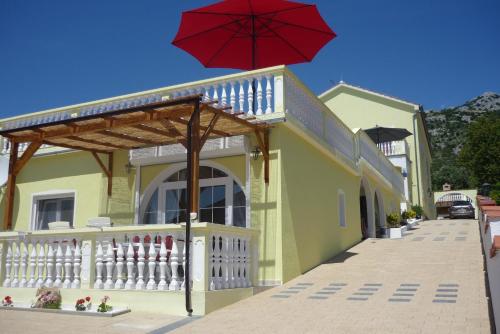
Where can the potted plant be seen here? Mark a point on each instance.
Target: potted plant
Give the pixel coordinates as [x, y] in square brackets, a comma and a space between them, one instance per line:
[48, 298]
[103, 306]
[393, 227]
[405, 216]
[418, 211]
[80, 304]
[7, 301]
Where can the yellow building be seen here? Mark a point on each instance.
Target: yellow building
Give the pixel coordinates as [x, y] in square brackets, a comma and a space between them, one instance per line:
[362, 108]
[329, 188]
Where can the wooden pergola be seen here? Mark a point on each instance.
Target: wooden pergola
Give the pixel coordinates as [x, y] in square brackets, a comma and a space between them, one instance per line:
[187, 120]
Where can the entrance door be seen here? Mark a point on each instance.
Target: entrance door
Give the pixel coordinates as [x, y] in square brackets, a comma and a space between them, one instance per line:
[364, 216]
[216, 201]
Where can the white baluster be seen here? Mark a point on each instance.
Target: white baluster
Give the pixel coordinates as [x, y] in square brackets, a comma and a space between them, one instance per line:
[206, 97]
[120, 254]
[225, 261]
[174, 263]
[248, 281]
[269, 94]
[31, 283]
[240, 283]
[68, 263]
[211, 267]
[232, 269]
[232, 97]
[49, 282]
[223, 98]
[259, 96]
[182, 262]
[130, 284]
[236, 256]
[41, 264]
[218, 263]
[151, 265]
[163, 285]
[77, 260]
[15, 279]
[141, 253]
[216, 94]
[250, 97]
[241, 95]
[98, 266]
[8, 265]
[59, 266]
[24, 264]
[110, 264]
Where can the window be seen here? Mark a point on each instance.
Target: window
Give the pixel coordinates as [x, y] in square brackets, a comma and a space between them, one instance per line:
[53, 209]
[222, 200]
[341, 209]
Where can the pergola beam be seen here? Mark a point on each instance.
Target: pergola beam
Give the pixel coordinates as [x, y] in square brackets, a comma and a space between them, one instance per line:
[11, 188]
[107, 170]
[263, 141]
[96, 142]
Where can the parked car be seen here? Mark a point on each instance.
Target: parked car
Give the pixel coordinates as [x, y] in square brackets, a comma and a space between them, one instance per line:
[462, 209]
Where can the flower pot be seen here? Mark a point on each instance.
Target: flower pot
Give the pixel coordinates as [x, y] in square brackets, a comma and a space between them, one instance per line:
[394, 233]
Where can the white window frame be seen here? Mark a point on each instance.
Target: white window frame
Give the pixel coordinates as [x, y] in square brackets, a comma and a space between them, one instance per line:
[219, 181]
[341, 210]
[159, 181]
[53, 194]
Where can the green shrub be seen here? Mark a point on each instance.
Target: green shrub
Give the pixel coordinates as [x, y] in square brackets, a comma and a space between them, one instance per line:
[392, 220]
[418, 210]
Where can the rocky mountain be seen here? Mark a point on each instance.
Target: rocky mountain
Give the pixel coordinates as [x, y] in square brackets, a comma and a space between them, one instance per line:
[447, 128]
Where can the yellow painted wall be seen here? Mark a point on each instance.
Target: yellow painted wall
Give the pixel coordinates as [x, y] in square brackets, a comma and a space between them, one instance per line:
[360, 109]
[310, 182]
[77, 172]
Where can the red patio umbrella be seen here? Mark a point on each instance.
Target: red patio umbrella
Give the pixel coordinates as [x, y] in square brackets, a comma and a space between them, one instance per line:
[251, 34]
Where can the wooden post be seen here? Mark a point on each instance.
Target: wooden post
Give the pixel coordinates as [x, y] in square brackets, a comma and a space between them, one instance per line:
[110, 175]
[193, 188]
[11, 188]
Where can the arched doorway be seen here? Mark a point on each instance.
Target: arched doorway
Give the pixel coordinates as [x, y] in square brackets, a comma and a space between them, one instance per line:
[378, 206]
[222, 198]
[363, 212]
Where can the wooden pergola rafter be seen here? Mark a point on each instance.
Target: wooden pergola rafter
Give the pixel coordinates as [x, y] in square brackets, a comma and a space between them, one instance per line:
[187, 120]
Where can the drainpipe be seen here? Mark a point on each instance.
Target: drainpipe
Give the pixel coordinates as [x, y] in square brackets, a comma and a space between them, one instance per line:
[417, 148]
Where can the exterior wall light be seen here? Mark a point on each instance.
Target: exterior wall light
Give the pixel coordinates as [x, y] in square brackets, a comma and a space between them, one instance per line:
[255, 153]
[128, 167]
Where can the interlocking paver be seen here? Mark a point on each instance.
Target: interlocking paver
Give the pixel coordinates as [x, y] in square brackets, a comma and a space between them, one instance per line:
[424, 266]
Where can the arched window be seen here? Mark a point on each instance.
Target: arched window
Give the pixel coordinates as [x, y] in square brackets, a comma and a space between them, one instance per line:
[222, 200]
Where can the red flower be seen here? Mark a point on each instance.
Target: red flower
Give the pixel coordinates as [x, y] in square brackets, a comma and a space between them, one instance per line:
[8, 297]
[87, 298]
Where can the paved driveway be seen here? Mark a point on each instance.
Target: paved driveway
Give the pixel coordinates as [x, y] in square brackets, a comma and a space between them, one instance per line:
[431, 281]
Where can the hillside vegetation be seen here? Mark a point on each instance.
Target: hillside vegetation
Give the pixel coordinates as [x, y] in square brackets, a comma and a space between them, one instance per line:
[449, 129]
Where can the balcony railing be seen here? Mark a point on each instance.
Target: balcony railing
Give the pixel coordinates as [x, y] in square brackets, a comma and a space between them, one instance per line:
[399, 147]
[130, 258]
[269, 94]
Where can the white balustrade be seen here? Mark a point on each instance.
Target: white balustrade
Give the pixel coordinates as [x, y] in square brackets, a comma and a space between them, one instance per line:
[147, 261]
[17, 255]
[110, 264]
[41, 264]
[68, 264]
[33, 261]
[119, 284]
[141, 253]
[24, 264]
[151, 266]
[8, 265]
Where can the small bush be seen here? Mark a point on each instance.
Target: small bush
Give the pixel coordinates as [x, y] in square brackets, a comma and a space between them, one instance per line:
[418, 210]
[392, 220]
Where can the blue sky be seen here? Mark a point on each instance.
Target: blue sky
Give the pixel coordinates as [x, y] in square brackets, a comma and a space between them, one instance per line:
[55, 53]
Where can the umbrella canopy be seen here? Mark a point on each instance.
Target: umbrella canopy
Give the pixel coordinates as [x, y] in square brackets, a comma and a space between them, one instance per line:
[253, 34]
[380, 134]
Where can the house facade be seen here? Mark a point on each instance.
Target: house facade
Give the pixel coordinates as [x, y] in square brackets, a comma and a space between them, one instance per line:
[362, 108]
[325, 188]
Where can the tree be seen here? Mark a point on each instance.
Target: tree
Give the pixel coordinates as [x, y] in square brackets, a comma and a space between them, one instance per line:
[480, 154]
